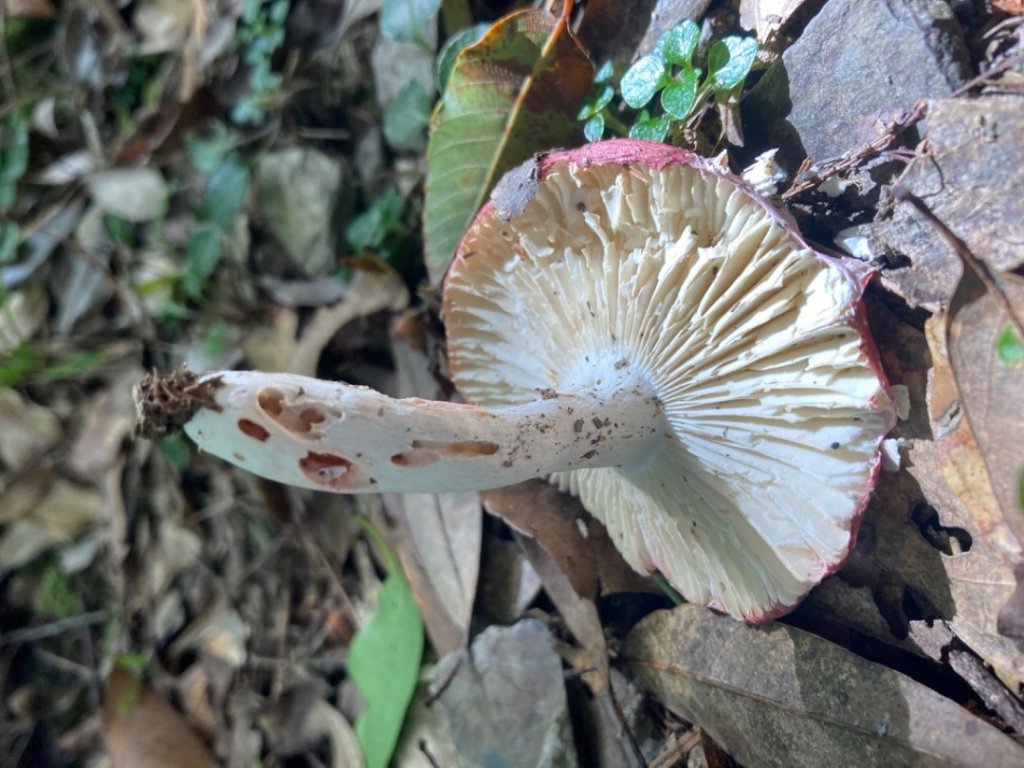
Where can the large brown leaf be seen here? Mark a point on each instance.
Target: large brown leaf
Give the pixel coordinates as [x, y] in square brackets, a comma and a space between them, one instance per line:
[773, 695]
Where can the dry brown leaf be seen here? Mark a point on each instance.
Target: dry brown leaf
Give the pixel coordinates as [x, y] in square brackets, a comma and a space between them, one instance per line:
[773, 695]
[28, 430]
[141, 730]
[107, 420]
[579, 543]
[64, 514]
[31, 9]
[590, 658]
[767, 17]
[990, 392]
[506, 701]
[1009, 6]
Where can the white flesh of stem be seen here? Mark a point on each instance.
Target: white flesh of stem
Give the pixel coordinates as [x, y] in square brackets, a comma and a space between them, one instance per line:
[337, 437]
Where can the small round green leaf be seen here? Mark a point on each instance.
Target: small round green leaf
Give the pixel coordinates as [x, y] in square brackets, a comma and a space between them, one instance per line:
[1009, 348]
[678, 44]
[596, 103]
[642, 80]
[678, 98]
[593, 129]
[729, 62]
[652, 129]
[605, 73]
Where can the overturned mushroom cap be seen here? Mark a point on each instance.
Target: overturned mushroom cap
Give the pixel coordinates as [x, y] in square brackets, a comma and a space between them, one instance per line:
[632, 256]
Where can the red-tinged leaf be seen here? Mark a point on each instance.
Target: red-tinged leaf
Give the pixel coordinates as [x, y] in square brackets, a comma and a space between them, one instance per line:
[509, 96]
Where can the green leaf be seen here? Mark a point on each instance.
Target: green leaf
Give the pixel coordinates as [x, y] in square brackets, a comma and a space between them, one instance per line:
[225, 192]
[596, 103]
[17, 364]
[406, 20]
[605, 73]
[513, 94]
[201, 257]
[13, 157]
[642, 80]
[77, 365]
[678, 98]
[384, 661]
[593, 129]
[729, 62]
[207, 152]
[652, 129]
[10, 239]
[1009, 349]
[678, 44]
[453, 47]
[406, 116]
[1020, 491]
[369, 230]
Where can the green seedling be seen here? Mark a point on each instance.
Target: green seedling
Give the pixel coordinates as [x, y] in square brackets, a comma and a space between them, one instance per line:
[669, 72]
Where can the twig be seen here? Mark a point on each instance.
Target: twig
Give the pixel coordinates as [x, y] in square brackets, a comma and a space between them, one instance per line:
[43, 631]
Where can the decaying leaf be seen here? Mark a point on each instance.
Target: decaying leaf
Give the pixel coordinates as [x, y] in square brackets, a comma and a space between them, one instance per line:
[132, 194]
[777, 696]
[512, 94]
[506, 701]
[142, 730]
[579, 543]
[28, 430]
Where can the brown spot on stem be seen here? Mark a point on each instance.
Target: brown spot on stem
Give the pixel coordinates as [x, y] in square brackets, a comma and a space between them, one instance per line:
[414, 458]
[253, 430]
[333, 471]
[298, 416]
[457, 449]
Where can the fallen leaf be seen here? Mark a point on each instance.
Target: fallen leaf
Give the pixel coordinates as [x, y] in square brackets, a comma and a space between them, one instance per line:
[777, 696]
[512, 94]
[28, 430]
[32, 9]
[579, 543]
[300, 717]
[506, 701]
[24, 313]
[384, 661]
[64, 514]
[767, 17]
[107, 419]
[141, 730]
[990, 391]
[132, 194]
[439, 546]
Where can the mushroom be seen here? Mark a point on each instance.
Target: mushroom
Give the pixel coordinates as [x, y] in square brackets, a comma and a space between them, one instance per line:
[635, 323]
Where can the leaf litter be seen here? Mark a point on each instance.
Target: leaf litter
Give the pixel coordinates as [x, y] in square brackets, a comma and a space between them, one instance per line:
[258, 184]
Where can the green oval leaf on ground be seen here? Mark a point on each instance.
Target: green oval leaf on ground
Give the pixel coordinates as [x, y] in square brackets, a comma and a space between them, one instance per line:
[405, 20]
[384, 661]
[729, 62]
[641, 81]
[593, 129]
[1009, 349]
[678, 44]
[652, 129]
[678, 98]
[511, 95]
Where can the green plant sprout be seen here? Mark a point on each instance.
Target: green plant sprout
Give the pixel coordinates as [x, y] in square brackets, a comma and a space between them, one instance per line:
[260, 34]
[669, 70]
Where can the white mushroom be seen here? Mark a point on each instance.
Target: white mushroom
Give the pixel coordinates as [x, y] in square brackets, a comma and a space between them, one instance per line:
[639, 325]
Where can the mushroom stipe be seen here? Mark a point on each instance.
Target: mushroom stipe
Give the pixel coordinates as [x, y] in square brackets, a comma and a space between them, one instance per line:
[648, 332]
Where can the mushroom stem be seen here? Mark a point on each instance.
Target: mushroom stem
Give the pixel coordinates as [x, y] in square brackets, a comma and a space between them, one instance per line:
[349, 439]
